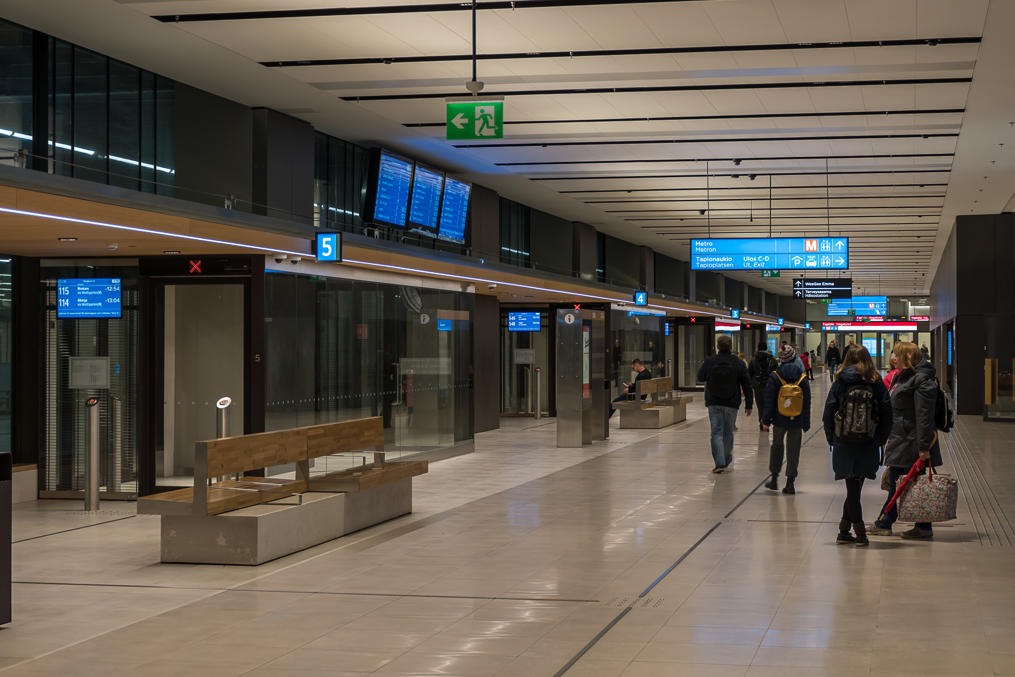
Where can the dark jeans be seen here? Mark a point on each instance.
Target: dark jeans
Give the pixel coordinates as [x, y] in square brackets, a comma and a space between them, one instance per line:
[892, 515]
[832, 366]
[622, 397]
[791, 450]
[810, 374]
[759, 402]
[852, 511]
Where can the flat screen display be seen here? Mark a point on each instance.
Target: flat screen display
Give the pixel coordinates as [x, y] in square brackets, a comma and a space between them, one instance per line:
[454, 211]
[443, 325]
[860, 305]
[772, 253]
[425, 205]
[88, 298]
[391, 196]
[523, 321]
[871, 344]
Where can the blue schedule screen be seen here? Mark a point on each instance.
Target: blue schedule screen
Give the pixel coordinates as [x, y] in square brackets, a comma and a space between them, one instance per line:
[523, 322]
[860, 305]
[443, 325]
[88, 298]
[426, 200]
[775, 253]
[454, 211]
[391, 200]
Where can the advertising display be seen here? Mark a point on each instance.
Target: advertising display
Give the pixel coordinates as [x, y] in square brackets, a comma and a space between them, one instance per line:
[391, 190]
[799, 253]
[425, 205]
[454, 211]
[523, 321]
[868, 326]
[88, 298]
[723, 326]
[860, 305]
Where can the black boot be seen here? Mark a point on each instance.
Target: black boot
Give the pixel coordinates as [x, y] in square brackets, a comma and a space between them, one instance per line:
[844, 535]
[788, 489]
[772, 483]
[861, 534]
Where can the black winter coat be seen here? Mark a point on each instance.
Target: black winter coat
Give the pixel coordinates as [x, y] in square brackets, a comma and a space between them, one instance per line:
[743, 381]
[851, 459]
[914, 400]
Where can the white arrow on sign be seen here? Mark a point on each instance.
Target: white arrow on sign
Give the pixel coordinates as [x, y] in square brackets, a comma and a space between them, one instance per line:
[840, 260]
[460, 121]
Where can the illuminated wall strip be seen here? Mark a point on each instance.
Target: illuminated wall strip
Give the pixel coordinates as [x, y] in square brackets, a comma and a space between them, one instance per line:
[149, 231]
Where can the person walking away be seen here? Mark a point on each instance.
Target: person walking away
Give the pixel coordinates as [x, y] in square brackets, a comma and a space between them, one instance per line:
[914, 431]
[760, 368]
[788, 411]
[857, 420]
[925, 352]
[806, 359]
[832, 360]
[725, 377]
[893, 362]
[631, 389]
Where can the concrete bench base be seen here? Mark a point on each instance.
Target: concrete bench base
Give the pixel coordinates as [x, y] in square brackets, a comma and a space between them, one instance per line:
[261, 533]
[26, 483]
[649, 417]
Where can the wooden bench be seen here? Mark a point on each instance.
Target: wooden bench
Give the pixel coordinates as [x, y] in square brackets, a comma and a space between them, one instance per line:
[223, 517]
[656, 405]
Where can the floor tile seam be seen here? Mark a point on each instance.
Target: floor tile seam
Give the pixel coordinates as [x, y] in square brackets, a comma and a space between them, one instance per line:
[972, 496]
[78, 528]
[1003, 521]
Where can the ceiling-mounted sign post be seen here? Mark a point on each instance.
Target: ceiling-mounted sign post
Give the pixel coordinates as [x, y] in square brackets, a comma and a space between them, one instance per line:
[475, 120]
[778, 253]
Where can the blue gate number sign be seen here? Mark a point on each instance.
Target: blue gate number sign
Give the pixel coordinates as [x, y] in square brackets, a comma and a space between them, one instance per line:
[774, 253]
[329, 247]
[640, 298]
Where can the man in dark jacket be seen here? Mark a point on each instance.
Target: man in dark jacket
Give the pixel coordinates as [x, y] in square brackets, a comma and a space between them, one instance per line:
[832, 360]
[761, 367]
[787, 431]
[725, 377]
[631, 389]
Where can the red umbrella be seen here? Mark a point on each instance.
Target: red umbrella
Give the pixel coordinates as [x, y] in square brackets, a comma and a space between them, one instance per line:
[913, 472]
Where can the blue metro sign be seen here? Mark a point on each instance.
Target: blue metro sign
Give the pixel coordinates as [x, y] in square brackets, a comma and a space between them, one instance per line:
[774, 253]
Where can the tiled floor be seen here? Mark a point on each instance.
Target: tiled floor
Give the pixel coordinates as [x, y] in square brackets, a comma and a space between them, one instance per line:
[520, 555]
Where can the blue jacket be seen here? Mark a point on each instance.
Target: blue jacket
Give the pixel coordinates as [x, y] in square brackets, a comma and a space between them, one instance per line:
[790, 373]
[852, 459]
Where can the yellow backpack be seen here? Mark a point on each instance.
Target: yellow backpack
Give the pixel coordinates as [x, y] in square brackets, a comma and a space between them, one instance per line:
[791, 397]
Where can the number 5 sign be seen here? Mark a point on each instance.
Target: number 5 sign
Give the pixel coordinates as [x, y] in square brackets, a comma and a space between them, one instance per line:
[329, 247]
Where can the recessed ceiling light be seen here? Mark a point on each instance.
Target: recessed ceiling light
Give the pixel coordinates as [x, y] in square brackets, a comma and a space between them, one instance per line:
[171, 251]
[67, 239]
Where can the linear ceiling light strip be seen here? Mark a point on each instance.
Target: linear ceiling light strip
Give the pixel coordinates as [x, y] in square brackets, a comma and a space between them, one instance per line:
[746, 199]
[724, 139]
[622, 177]
[738, 161]
[739, 116]
[669, 88]
[793, 187]
[149, 231]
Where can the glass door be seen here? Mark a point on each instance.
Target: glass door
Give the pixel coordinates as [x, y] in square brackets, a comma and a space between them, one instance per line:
[525, 348]
[691, 352]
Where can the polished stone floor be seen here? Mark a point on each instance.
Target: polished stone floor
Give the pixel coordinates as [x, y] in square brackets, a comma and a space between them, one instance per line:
[624, 558]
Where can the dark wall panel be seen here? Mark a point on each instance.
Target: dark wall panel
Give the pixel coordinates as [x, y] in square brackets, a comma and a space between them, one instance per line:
[283, 166]
[485, 213]
[734, 293]
[552, 243]
[212, 147]
[585, 251]
[486, 363]
[623, 262]
[792, 310]
[670, 276]
[709, 286]
[771, 303]
[754, 298]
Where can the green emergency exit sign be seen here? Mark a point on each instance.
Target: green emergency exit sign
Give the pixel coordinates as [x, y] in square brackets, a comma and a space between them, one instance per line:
[771, 273]
[475, 120]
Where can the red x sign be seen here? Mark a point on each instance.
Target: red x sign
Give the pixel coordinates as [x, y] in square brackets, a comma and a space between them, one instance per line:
[195, 265]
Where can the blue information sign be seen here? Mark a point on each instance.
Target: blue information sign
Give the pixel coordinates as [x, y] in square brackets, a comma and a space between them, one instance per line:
[860, 305]
[641, 298]
[329, 247]
[88, 298]
[781, 321]
[774, 253]
[391, 200]
[735, 314]
[518, 321]
[454, 211]
[443, 325]
[426, 199]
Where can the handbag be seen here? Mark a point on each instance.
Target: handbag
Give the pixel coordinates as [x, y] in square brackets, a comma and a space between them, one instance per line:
[930, 498]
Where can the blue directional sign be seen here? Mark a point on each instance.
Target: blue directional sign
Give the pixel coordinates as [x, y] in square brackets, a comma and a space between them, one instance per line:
[774, 253]
[781, 321]
[640, 298]
[443, 325]
[329, 247]
[735, 314]
[860, 305]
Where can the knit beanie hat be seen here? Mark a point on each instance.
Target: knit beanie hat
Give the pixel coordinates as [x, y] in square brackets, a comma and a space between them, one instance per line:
[787, 354]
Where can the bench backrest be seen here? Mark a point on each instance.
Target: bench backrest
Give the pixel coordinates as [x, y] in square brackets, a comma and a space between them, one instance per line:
[648, 386]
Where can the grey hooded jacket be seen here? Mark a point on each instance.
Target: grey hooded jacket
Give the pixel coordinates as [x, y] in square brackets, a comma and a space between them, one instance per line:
[914, 398]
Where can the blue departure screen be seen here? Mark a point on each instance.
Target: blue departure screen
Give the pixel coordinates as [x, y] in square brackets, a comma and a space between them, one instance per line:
[523, 322]
[88, 298]
[426, 200]
[774, 253]
[454, 211]
[392, 197]
[860, 305]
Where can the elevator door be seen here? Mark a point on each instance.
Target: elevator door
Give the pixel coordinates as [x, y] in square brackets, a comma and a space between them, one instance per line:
[522, 353]
[201, 361]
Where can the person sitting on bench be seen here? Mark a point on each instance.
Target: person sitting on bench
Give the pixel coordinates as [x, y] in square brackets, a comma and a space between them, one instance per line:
[631, 389]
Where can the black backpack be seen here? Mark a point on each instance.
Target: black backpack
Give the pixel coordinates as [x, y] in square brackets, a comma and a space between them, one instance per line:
[764, 365]
[856, 420]
[944, 419]
[723, 383]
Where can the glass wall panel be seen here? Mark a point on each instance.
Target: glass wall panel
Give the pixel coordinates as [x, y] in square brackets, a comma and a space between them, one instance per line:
[124, 125]
[340, 182]
[691, 353]
[635, 336]
[6, 350]
[91, 88]
[514, 233]
[344, 349]
[15, 93]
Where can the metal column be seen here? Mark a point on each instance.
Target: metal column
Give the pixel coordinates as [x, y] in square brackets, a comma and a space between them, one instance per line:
[569, 363]
[92, 456]
[598, 408]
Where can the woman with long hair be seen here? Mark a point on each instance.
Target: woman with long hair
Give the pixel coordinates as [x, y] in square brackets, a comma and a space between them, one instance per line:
[858, 420]
[914, 431]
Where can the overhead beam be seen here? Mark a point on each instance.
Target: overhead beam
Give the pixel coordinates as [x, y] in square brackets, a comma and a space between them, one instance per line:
[773, 158]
